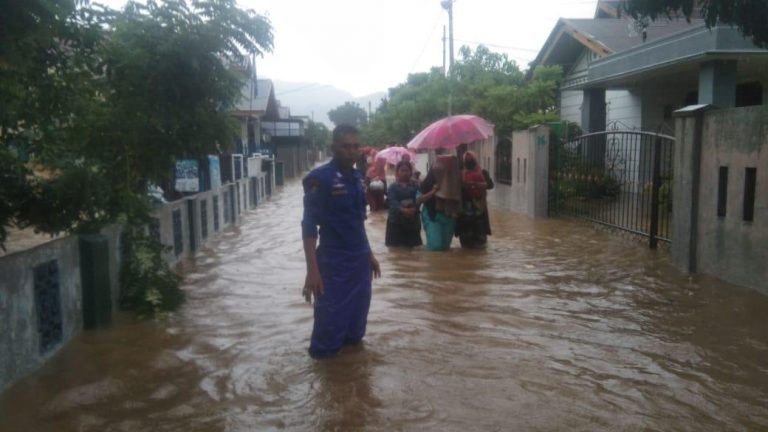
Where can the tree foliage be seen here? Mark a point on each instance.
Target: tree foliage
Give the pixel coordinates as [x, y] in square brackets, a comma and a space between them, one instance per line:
[483, 82]
[749, 16]
[147, 285]
[98, 103]
[318, 135]
[350, 113]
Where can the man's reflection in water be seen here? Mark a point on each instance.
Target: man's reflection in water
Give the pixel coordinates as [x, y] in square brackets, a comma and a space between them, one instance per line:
[344, 395]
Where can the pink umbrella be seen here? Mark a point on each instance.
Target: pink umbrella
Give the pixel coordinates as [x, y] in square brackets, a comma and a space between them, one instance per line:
[451, 132]
[393, 155]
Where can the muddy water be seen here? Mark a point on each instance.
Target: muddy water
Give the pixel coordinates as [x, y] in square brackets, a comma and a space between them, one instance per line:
[556, 326]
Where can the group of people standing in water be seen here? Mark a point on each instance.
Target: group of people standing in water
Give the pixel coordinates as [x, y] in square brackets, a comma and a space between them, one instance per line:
[450, 202]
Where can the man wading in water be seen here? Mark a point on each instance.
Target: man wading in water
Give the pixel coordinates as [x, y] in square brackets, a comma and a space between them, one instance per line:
[340, 270]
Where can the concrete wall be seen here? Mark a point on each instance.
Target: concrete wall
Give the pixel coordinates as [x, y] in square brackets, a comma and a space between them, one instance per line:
[20, 339]
[570, 105]
[724, 246]
[572, 100]
[728, 246]
[625, 108]
[528, 191]
[485, 152]
[656, 96]
[20, 330]
[233, 200]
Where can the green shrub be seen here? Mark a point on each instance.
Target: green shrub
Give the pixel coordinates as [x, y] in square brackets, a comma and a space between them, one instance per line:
[148, 286]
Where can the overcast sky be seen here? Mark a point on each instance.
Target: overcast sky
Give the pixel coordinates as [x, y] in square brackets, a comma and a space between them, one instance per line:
[365, 46]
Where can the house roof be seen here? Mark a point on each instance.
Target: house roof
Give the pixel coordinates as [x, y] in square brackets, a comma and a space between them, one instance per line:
[669, 55]
[607, 9]
[613, 9]
[257, 101]
[603, 37]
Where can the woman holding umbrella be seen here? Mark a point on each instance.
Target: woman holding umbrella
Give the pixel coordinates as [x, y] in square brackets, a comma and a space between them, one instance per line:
[441, 194]
[440, 212]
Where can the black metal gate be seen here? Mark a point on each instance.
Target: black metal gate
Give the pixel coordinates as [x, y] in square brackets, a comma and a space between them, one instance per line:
[621, 179]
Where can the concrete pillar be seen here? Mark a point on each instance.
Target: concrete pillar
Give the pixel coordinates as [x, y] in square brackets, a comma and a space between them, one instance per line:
[717, 83]
[538, 173]
[94, 274]
[689, 124]
[593, 113]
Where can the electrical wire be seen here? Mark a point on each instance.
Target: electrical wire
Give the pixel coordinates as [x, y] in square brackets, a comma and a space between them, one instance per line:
[497, 45]
[424, 48]
[304, 87]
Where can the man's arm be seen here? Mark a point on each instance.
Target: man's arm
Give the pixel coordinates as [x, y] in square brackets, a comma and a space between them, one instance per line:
[313, 208]
[424, 197]
[313, 283]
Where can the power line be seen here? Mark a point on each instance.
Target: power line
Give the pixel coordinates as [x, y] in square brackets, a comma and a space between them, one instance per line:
[429, 38]
[499, 46]
[305, 87]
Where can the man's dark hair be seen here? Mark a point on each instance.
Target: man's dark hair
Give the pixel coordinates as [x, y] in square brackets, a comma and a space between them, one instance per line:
[344, 129]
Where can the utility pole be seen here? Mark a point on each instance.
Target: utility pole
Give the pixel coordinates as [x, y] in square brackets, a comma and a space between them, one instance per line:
[445, 71]
[448, 6]
[249, 127]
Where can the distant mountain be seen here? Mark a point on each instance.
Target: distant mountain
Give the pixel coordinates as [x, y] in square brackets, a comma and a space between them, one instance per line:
[304, 98]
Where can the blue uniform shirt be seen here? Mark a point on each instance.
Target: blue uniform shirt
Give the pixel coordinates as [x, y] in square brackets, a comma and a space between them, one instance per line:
[335, 201]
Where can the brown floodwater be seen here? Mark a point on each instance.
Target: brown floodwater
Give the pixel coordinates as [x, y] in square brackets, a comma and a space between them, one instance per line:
[556, 326]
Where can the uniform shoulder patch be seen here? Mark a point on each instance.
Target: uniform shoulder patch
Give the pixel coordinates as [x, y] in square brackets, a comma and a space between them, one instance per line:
[311, 184]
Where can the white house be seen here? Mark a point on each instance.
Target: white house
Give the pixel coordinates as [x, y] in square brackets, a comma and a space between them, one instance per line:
[617, 73]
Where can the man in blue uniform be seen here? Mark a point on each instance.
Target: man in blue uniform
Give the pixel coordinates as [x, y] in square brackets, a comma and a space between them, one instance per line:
[340, 270]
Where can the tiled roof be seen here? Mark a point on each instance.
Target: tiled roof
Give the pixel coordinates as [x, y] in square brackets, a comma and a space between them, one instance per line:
[622, 34]
[604, 36]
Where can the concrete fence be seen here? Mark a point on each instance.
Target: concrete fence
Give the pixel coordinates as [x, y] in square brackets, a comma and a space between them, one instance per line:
[720, 201]
[49, 293]
[527, 191]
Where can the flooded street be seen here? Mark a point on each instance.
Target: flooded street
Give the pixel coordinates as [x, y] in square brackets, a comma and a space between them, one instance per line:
[556, 326]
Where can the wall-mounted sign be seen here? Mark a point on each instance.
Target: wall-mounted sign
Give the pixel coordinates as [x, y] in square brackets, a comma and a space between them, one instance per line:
[187, 176]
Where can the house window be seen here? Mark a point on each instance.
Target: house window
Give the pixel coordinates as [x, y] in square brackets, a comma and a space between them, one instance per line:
[749, 94]
[504, 161]
[46, 283]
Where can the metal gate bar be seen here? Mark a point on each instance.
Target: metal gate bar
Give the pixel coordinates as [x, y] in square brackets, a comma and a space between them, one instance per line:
[620, 179]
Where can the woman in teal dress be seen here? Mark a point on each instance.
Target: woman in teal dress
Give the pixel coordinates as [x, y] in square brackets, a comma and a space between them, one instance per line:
[441, 194]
